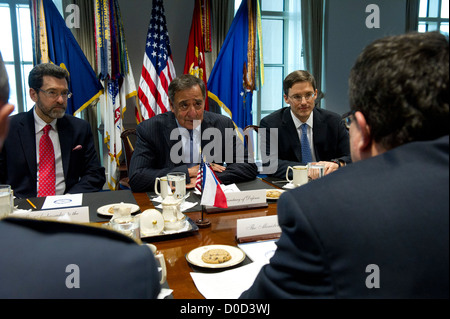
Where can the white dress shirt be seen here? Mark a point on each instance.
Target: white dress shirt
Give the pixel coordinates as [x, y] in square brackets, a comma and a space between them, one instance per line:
[53, 133]
[185, 140]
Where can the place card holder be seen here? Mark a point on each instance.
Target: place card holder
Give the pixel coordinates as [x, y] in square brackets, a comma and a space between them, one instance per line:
[250, 239]
[242, 200]
[257, 229]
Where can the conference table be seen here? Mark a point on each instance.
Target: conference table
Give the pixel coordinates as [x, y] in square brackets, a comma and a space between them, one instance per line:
[222, 231]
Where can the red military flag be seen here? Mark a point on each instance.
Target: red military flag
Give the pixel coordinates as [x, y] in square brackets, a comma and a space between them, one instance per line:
[199, 36]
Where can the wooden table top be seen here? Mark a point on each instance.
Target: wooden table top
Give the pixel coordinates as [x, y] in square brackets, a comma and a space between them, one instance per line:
[221, 232]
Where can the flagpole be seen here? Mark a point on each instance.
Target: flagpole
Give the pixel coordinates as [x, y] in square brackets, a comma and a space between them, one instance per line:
[203, 223]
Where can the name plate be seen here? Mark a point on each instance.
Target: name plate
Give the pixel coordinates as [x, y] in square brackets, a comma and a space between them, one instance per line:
[73, 215]
[257, 228]
[244, 199]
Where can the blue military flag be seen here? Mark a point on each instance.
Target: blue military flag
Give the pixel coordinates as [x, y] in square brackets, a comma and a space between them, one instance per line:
[234, 75]
[55, 43]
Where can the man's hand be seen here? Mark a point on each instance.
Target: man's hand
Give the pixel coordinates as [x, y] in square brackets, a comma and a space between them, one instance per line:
[218, 168]
[5, 111]
[329, 167]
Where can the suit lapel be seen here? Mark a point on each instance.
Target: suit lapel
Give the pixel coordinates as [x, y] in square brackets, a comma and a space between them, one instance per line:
[172, 124]
[206, 123]
[319, 131]
[292, 134]
[27, 137]
[65, 141]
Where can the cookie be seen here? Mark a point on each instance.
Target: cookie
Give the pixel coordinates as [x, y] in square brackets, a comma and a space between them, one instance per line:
[275, 194]
[216, 256]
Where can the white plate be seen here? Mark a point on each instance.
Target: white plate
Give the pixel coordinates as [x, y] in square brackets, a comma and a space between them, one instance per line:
[104, 209]
[195, 256]
[280, 191]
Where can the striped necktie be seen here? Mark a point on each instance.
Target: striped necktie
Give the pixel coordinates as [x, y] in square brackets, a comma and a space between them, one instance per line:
[306, 150]
[46, 165]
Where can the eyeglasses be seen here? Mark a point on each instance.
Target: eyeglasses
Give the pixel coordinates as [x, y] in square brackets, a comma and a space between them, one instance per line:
[299, 97]
[52, 94]
[347, 118]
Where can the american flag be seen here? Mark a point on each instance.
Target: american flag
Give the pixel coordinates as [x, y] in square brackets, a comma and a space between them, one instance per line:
[158, 69]
[199, 182]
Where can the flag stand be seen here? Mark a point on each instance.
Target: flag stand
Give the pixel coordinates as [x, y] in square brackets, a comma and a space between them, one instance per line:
[203, 223]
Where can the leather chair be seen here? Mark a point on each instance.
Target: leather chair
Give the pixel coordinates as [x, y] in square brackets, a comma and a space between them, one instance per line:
[128, 139]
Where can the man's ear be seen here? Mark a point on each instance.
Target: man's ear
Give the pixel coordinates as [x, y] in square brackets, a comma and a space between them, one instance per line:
[365, 140]
[33, 95]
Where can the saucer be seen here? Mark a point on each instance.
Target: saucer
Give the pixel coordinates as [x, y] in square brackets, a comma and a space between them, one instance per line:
[104, 210]
[289, 186]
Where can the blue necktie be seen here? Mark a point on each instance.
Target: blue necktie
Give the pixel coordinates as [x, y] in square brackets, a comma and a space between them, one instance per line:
[306, 151]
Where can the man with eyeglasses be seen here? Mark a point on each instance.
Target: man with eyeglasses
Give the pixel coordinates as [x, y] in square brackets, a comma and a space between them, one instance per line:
[49, 152]
[307, 133]
[378, 228]
[190, 130]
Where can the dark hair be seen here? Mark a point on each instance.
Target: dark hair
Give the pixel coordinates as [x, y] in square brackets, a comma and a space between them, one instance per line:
[298, 76]
[35, 79]
[400, 84]
[183, 82]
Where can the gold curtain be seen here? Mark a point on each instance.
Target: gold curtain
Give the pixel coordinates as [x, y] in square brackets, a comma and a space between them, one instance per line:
[222, 14]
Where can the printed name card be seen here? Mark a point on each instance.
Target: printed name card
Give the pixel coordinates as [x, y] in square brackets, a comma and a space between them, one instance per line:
[73, 215]
[257, 228]
[244, 199]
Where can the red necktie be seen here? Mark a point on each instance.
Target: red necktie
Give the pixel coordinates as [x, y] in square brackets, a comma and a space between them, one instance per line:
[46, 164]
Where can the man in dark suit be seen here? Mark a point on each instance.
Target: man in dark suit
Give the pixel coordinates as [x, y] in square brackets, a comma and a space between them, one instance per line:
[164, 142]
[378, 228]
[327, 137]
[76, 165]
[46, 259]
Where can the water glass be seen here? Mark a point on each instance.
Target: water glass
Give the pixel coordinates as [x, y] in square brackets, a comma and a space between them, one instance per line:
[6, 200]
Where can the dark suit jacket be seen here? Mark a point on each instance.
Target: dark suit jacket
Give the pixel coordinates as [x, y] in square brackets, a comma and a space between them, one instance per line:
[331, 140]
[390, 210]
[35, 255]
[151, 157]
[18, 164]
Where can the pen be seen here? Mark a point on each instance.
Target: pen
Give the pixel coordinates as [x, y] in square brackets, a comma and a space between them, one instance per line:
[32, 205]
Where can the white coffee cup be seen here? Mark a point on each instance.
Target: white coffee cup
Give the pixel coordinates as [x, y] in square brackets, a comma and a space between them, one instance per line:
[299, 174]
[6, 200]
[160, 258]
[163, 186]
[177, 184]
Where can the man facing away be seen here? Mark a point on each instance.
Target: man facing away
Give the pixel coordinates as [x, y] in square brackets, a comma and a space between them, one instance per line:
[378, 228]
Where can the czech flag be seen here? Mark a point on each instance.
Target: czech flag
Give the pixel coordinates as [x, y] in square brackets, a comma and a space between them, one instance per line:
[212, 193]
